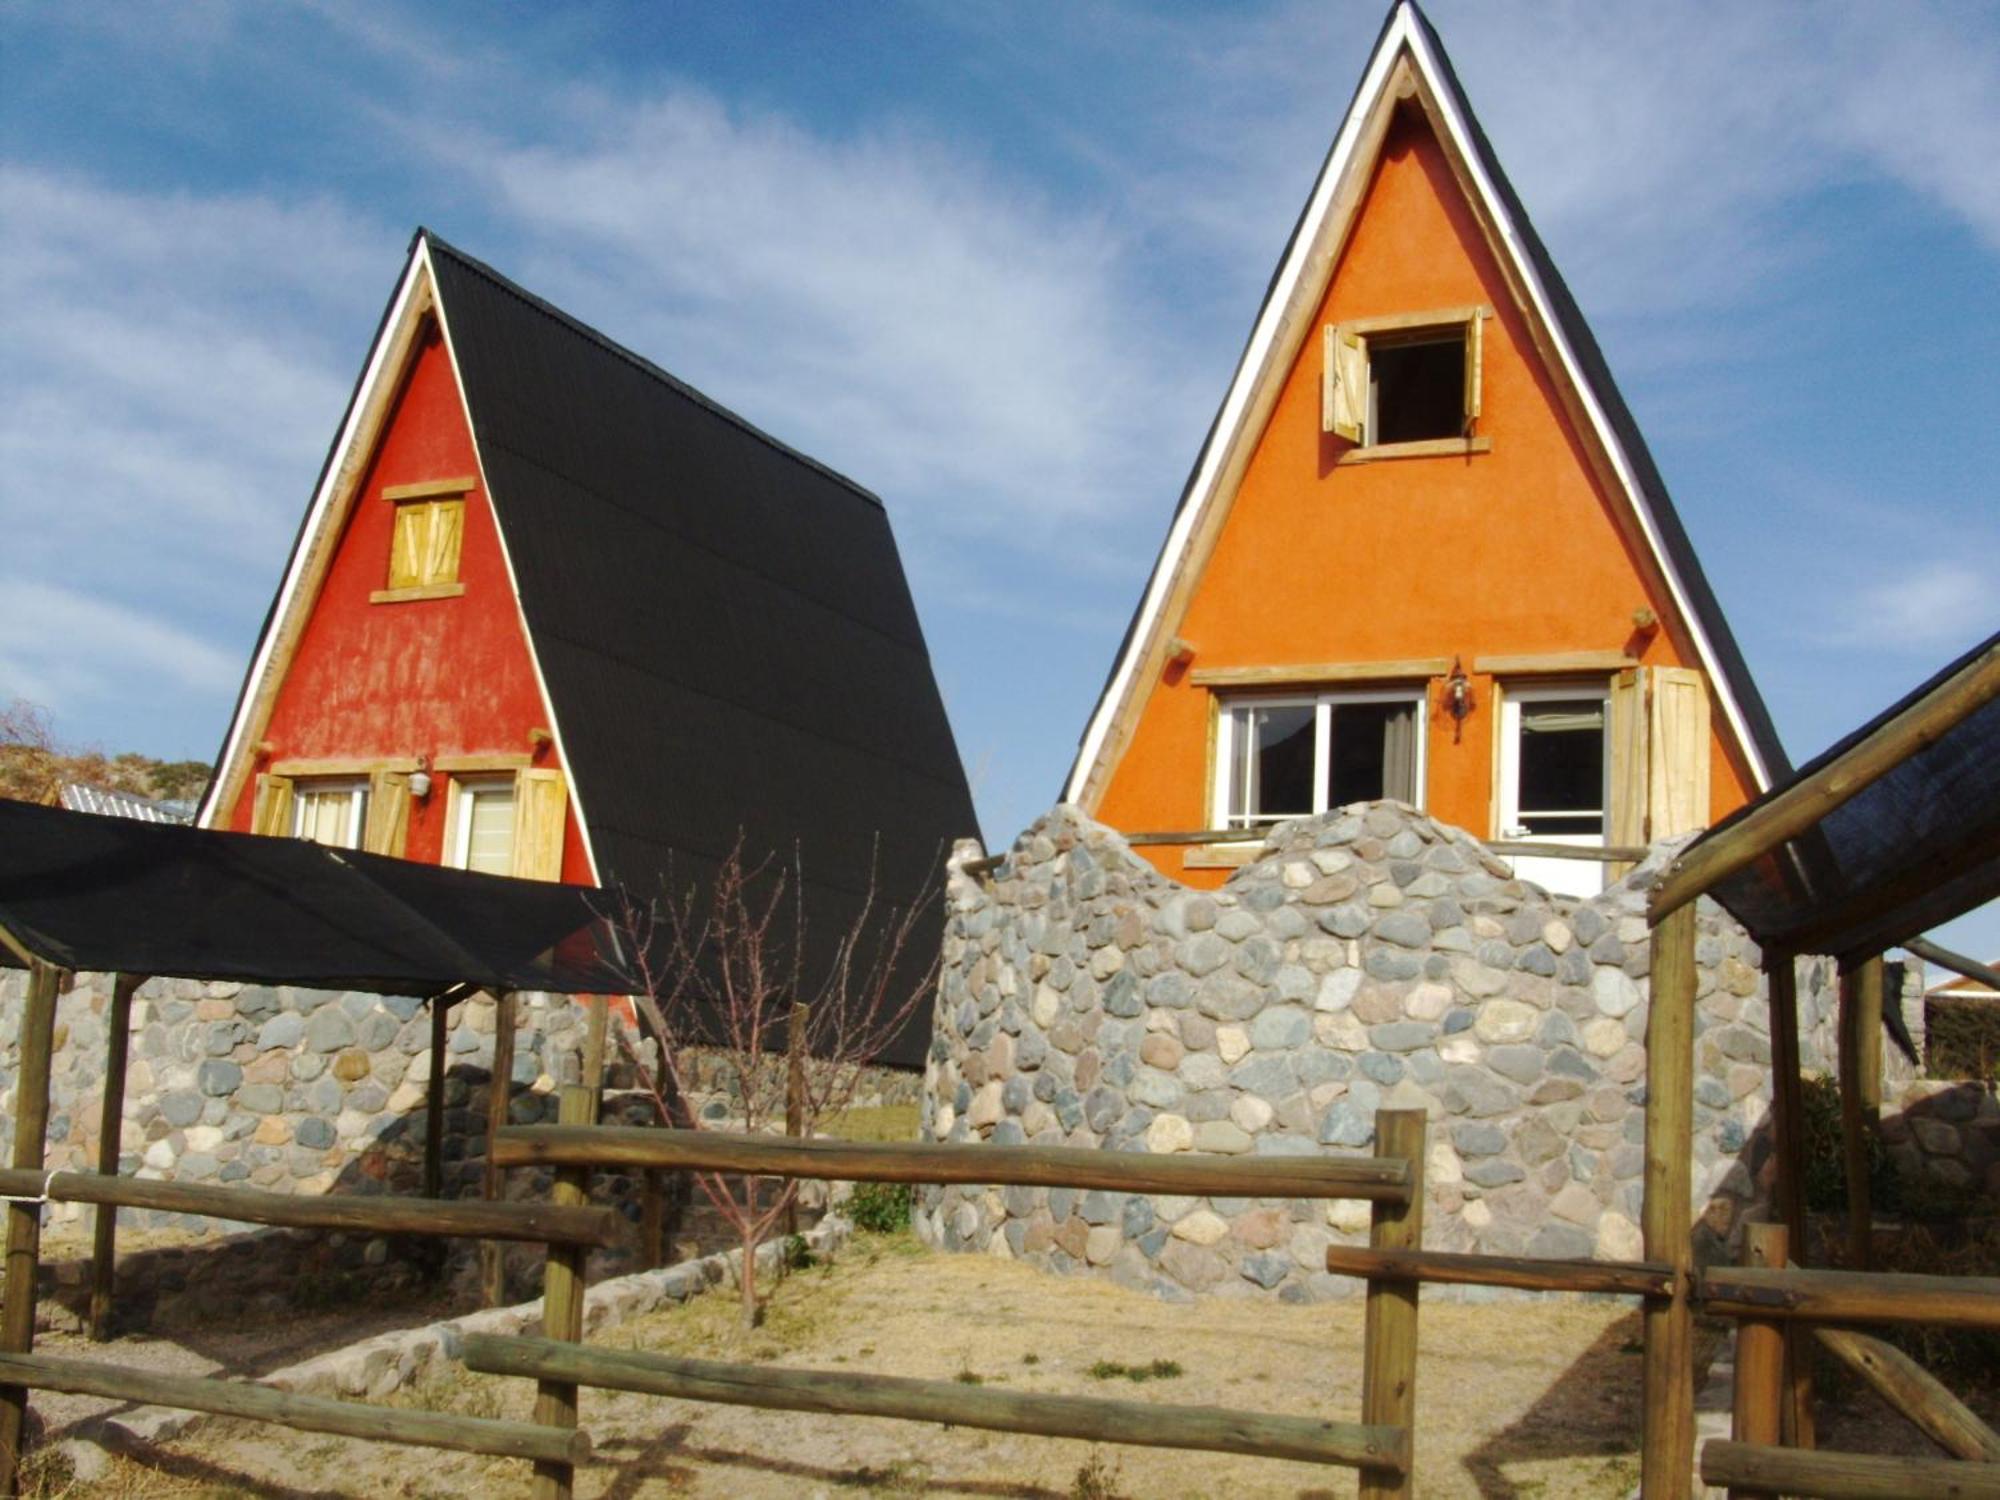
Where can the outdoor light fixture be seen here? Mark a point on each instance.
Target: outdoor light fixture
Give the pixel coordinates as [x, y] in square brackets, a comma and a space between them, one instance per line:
[420, 779]
[1457, 698]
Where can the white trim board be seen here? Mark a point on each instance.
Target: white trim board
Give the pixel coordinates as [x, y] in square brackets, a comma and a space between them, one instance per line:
[1290, 298]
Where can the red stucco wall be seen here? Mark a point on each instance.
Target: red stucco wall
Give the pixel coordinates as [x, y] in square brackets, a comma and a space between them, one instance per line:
[424, 677]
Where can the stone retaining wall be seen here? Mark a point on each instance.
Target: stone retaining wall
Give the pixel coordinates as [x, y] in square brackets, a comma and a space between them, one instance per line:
[1369, 957]
[310, 1091]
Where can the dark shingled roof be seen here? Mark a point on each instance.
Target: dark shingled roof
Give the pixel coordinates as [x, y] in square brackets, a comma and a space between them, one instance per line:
[1597, 372]
[724, 626]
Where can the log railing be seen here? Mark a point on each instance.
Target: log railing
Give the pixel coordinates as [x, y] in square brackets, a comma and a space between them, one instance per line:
[568, 1228]
[1379, 1446]
[1765, 1294]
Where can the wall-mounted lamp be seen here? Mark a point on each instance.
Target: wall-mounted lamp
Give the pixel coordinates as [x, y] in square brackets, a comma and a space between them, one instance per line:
[1179, 654]
[1457, 698]
[420, 779]
[539, 739]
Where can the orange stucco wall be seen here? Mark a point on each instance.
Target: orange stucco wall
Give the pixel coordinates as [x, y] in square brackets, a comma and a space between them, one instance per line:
[424, 677]
[1508, 552]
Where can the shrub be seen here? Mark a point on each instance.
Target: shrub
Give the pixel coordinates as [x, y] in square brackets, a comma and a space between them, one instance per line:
[1096, 1480]
[1111, 1369]
[880, 1207]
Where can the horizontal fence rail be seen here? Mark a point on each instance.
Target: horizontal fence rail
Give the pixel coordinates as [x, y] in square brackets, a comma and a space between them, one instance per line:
[1851, 1296]
[1626, 1278]
[537, 1222]
[840, 1393]
[1756, 1468]
[1382, 1179]
[260, 1403]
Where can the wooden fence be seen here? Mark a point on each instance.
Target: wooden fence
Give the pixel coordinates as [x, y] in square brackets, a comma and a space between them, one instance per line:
[1768, 1296]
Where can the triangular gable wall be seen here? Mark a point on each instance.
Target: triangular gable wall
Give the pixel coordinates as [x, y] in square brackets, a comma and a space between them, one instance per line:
[370, 409]
[1408, 64]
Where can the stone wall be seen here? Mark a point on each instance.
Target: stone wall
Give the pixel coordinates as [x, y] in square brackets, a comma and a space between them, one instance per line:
[1368, 958]
[288, 1090]
[309, 1091]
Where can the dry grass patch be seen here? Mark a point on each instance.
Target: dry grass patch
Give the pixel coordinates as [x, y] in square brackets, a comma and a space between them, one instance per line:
[1515, 1399]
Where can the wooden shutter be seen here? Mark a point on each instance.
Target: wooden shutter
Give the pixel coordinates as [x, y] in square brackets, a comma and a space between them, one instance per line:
[540, 804]
[1472, 363]
[1344, 395]
[441, 552]
[1677, 783]
[1627, 733]
[271, 813]
[408, 547]
[388, 828]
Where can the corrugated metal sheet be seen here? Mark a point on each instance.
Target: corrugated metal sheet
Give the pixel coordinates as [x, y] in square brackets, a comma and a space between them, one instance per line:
[79, 796]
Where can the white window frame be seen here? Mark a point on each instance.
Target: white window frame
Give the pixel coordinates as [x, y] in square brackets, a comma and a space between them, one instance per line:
[1324, 703]
[305, 788]
[464, 789]
[1507, 805]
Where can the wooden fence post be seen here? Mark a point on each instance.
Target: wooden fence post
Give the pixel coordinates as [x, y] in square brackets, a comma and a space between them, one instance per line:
[795, 1096]
[499, 1099]
[434, 1102]
[652, 1219]
[1860, 1047]
[24, 1220]
[1389, 1340]
[110, 1137]
[1667, 1452]
[596, 1029]
[562, 1304]
[1760, 1356]
[1788, 1185]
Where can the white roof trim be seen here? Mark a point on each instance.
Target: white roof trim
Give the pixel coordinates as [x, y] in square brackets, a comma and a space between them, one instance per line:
[415, 294]
[1402, 32]
[416, 278]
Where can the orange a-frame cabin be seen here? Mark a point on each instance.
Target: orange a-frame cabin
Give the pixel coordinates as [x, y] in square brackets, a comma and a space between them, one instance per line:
[1424, 553]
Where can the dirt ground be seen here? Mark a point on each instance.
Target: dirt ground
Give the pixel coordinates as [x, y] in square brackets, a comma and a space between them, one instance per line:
[1514, 1399]
[1518, 1400]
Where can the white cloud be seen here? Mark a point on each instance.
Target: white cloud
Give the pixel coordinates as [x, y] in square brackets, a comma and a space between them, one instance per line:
[176, 364]
[902, 310]
[1916, 607]
[62, 648]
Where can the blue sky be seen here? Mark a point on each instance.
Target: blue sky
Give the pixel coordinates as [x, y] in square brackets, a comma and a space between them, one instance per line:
[996, 263]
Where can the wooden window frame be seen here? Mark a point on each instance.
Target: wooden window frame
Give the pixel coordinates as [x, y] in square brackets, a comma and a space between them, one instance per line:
[1337, 414]
[430, 495]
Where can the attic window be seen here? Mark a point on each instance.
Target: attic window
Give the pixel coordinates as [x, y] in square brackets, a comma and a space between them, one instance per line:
[1406, 386]
[425, 539]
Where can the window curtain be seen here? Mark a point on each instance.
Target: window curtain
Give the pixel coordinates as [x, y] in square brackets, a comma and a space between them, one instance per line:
[1399, 755]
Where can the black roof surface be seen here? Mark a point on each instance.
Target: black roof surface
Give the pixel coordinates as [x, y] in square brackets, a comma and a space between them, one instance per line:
[723, 625]
[1673, 536]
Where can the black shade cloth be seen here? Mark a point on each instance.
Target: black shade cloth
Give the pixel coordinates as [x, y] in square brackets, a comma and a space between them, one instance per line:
[112, 894]
[1918, 846]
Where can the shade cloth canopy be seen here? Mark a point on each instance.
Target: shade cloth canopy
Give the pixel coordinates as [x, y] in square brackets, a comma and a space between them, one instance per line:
[111, 894]
[1916, 847]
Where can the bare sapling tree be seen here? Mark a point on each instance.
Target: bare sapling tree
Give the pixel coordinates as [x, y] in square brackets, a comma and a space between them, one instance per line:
[730, 979]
